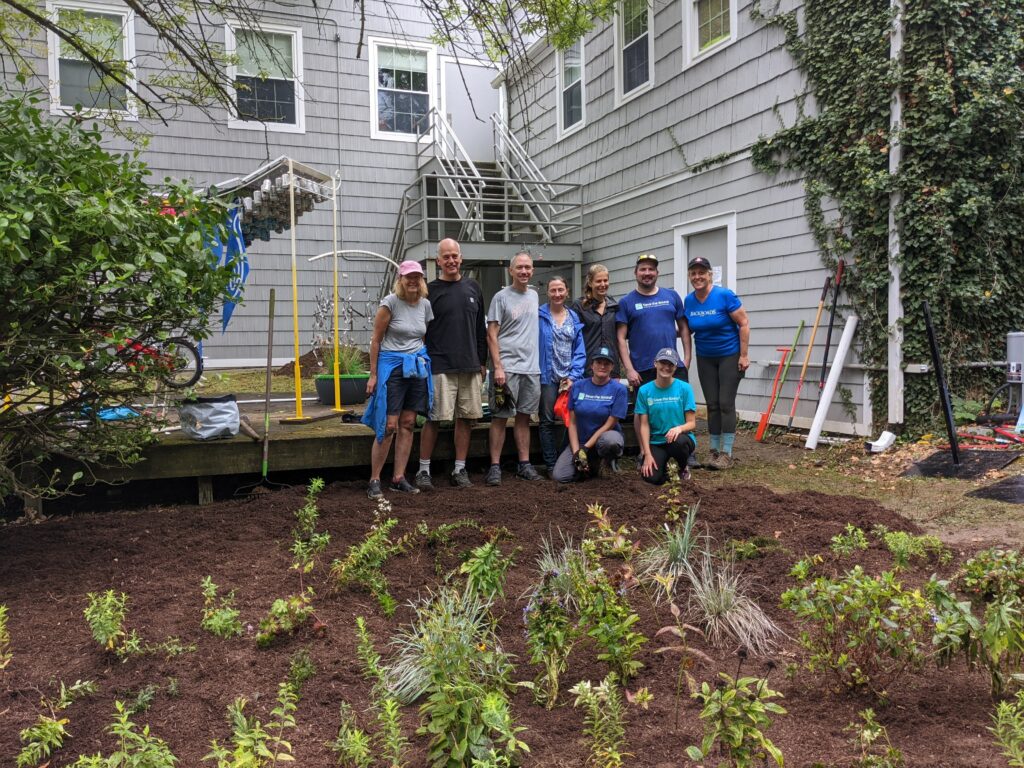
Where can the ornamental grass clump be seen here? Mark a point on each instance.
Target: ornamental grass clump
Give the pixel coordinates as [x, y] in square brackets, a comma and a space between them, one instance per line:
[866, 631]
[665, 561]
[720, 605]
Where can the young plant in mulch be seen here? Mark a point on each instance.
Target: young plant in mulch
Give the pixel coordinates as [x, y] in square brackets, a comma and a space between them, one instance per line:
[364, 563]
[853, 539]
[989, 634]
[750, 549]
[47, 734]
[485, 570]
[252, 744]
[992, 573]
[134, 747]
[735, 713]
[301, 670]
[389, 742]
[906, 546]
[720, 604]
[604, 721]
[611, 541]
[551, 633]
[5, 640]
[866, 631]
[686, 655]
[288, 614]
[672, 496]
[450, 654]
[220, 617]
[1008, 729]
[872, 741]
[106, 612]
[664, 562]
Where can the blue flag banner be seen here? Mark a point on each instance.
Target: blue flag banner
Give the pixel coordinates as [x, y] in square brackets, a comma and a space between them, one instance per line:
[231, 254]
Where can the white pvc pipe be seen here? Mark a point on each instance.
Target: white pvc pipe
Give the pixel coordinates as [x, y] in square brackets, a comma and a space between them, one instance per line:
[833, 381]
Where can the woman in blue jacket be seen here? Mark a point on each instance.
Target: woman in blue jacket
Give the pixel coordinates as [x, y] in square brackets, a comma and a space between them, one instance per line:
[562, 360]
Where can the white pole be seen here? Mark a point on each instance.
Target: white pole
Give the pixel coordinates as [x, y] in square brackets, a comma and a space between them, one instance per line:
[833, 381]
[336, 185]
[894, 362]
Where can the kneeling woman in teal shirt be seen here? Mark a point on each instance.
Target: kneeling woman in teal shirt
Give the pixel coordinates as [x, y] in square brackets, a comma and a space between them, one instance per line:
[668, 418]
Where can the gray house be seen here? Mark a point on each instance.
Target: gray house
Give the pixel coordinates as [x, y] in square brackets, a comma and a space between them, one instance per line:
[636, 139]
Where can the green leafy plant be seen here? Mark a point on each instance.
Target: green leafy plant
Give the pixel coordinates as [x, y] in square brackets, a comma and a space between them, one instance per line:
[286, 615]
[365, 560]
[664, 562]
[220, 617]
[872, 741]
[845, 544]
[992, 573]
[307, 543]
[389, 740]
[611, 540]
[301, 670]
[143, 699]
[134, 747]
[353, 746]
[254, 745]
[47, 734]
[485, 571]
[904, 546]
[604, 720]
[720, 605]
[105, 614]
[671, 496]
[551, 633]
[752, 548]
[866, 631]
[803, 568]
[5, 640]
[736, 713]
[1009, 729]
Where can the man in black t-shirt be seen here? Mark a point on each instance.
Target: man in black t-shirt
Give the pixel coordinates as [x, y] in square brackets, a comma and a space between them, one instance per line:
[457, 345]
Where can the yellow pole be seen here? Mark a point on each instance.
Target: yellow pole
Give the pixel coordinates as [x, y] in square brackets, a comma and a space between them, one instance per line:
[334, 240]
[295, 292]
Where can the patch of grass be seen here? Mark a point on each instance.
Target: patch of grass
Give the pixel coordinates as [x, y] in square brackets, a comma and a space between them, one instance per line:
[232, 381]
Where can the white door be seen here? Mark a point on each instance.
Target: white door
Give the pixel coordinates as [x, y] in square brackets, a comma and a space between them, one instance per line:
[467, 105]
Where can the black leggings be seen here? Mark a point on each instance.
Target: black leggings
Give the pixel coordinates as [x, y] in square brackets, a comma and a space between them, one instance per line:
[720, 378]
[680, 450]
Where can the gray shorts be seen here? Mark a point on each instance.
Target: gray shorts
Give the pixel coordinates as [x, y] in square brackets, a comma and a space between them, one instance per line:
[525, 391]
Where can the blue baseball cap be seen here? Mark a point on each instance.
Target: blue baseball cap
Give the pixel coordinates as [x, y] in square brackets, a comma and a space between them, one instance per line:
[602, 353]
[668, 355]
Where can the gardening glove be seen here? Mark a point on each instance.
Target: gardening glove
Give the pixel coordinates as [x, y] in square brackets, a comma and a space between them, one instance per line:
[581, 462]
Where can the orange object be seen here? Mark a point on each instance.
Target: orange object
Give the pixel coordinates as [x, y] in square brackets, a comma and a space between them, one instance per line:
[762, 425]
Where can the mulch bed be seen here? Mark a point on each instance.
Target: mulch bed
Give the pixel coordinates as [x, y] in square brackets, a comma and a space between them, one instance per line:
[159, 555]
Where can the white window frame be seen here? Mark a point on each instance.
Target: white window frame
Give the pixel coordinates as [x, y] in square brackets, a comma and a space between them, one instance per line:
[564, 131]
[691, 29]
[231, 27]
[53, 43]
[681, 232]
[620, 96]
[375, 43]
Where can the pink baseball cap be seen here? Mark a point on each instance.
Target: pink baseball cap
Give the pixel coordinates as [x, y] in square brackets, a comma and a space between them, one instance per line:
[410, 268]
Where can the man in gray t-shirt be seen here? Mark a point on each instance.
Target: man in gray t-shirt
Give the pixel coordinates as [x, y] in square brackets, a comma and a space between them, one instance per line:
[513, 340]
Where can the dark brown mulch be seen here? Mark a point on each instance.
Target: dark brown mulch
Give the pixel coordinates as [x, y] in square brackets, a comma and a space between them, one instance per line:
[309, 364]
[159, 555]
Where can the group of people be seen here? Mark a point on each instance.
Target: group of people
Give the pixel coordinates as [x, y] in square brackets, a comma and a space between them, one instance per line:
[560, 361]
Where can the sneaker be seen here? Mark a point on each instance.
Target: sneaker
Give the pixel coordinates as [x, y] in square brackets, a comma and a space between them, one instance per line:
[460, 479]
[527, 472]
[493, 476]
[423, 481]
[725, 461]
[613, 465]
[712, 462]
[685, 475]
[373, 490]
[403, 486]
[692, 461]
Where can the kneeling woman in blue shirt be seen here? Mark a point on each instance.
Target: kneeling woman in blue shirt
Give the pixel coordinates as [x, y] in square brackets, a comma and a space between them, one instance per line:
[595, 407]
[668, 418]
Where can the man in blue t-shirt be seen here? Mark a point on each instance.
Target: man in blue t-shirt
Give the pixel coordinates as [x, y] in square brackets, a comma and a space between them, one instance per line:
[667, 414]
[595, 407]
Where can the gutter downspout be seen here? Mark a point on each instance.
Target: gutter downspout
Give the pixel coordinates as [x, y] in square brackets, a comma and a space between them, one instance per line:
[895, 307]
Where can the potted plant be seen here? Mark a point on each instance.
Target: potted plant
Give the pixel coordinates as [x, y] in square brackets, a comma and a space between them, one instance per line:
[353, 373]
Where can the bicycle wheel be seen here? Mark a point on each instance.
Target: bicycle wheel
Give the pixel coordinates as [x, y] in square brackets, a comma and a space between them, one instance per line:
[181, 361]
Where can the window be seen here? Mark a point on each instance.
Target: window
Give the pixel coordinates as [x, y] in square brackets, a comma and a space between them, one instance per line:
[571, 87]
[108, 33]
[707, 26]
[402, 90]
[267, 78]
[634, 45]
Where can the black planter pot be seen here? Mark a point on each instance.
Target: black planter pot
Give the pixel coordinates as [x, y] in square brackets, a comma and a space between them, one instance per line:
[353, 388]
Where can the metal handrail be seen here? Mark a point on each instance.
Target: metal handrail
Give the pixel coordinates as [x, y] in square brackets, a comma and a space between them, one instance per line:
[517, 164]
[468, 184]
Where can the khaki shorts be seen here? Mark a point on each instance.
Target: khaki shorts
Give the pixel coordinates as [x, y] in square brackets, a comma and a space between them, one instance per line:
[457, 396]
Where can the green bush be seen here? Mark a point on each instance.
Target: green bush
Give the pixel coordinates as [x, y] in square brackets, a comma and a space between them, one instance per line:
[735, 714]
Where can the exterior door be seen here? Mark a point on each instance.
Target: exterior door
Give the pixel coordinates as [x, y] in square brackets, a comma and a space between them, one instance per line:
[468, 102]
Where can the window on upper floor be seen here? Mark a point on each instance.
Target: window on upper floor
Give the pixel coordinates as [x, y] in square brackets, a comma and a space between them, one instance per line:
[402, 89]
[570, 86]
[107, 32]
[267, 78]
[707, 26]
[634, 44]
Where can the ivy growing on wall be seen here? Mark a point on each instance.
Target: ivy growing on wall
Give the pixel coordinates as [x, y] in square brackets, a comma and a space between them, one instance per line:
[961, 211]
